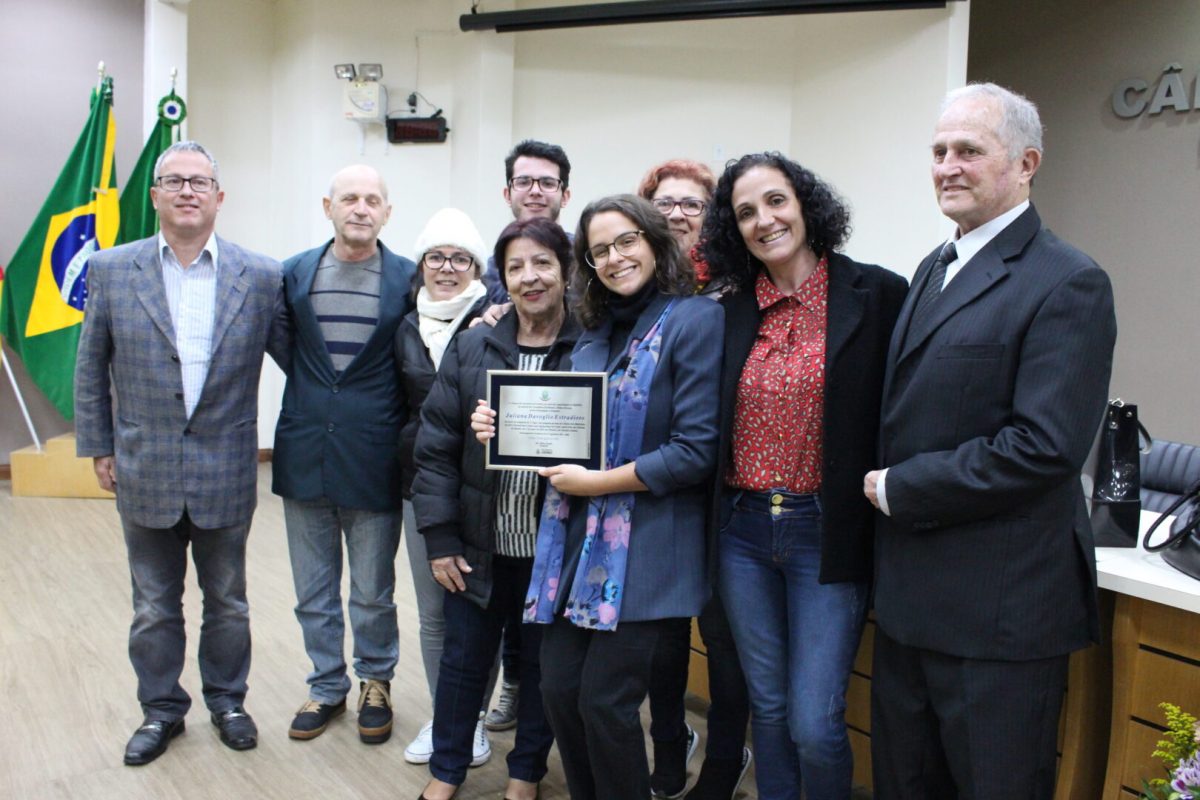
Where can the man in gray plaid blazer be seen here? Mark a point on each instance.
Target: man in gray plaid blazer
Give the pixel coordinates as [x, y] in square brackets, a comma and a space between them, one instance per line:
[175, 327]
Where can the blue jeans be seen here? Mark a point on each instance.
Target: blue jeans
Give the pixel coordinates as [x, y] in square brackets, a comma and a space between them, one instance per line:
[468, 659]
[314, 532]
[796, 639]
[157, 566]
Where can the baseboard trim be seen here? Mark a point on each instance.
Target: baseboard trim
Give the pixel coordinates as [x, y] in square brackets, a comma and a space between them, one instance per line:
[264, 457]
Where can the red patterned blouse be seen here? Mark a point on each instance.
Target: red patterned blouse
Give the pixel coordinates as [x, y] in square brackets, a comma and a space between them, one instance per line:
[777, 426]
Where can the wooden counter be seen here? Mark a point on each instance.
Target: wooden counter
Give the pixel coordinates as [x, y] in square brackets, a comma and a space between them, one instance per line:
[1110, 721]
[1156, 658]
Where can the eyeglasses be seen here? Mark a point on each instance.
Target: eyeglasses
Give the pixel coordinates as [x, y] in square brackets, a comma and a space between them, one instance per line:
[199, 183]
[523, 183]
[597, 255]
[690, 206]
[459, 262]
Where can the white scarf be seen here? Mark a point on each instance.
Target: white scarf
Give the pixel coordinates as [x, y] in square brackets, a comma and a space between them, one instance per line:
[439, 319]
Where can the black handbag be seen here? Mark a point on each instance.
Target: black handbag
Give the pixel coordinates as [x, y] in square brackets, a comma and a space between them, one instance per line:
[1182, 548]
[1117, 487]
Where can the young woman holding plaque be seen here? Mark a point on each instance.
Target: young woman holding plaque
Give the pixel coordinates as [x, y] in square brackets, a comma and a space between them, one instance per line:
[621, 550]
[480, 525]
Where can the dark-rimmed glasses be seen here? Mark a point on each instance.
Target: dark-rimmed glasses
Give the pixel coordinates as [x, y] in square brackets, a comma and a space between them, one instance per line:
[523, 183]
[625, 244]
[689, 206]
[201, 184]
[459, 262]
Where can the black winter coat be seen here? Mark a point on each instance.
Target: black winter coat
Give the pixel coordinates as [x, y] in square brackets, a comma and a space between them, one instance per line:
[453, 495]
[417, 373]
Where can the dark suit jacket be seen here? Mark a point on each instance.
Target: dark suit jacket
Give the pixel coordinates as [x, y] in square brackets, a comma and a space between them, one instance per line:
[165, 460]
[864, 301]
[338, 434]
[989, 412]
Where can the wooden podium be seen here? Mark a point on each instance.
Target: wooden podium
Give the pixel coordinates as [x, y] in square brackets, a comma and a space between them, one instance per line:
[54, 472]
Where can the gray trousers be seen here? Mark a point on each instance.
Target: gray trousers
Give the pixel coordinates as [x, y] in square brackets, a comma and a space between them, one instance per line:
[430, 598]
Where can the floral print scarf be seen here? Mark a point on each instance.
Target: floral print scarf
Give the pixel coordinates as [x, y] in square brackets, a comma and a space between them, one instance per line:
[598, 585]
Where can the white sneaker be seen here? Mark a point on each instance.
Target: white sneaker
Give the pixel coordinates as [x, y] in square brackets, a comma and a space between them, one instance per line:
[481, 748]
[420, 749]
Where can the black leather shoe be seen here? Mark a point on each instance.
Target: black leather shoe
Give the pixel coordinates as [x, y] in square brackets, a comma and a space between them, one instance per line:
[238, 730]
[150, 740]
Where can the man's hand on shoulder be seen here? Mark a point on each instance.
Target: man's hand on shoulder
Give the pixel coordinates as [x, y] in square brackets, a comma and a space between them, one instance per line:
[491, 315]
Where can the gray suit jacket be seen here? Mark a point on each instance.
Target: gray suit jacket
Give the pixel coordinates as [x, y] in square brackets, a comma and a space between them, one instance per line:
[165, 461]
[989, 410]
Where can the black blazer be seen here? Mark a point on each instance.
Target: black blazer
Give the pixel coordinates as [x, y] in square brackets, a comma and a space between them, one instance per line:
[864, 302]
[989, 412]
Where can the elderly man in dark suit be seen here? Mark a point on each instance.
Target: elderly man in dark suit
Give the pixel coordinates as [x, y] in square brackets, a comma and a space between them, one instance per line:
[996, 381]
[336, 460]
[175, 327]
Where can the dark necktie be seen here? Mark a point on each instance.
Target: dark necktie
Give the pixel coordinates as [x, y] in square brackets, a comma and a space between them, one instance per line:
[933, 287]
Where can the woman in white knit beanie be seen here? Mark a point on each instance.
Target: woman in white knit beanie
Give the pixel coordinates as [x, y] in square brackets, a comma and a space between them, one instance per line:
[450, 258]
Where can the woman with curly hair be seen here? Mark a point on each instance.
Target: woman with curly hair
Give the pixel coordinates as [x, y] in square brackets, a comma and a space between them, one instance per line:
[806, 336]
[620, 551]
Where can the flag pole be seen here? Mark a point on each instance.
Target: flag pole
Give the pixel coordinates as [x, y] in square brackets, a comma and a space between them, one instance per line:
[20, 401]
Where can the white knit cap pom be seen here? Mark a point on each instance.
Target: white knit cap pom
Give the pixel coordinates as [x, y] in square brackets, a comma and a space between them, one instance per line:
[452, 228]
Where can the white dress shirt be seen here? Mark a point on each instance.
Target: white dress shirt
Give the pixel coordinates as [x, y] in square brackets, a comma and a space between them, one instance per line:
[966, 246]
[192, 299]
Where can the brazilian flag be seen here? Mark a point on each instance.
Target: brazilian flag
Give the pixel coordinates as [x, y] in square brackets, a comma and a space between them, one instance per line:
[138, 218]
[46, 282]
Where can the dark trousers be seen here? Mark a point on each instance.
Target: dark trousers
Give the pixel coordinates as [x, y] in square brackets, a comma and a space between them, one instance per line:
[157, 566]
[593, 684]
[728, 710]
[950, 728]
[668, 681]
[510, 653]
[471, 643]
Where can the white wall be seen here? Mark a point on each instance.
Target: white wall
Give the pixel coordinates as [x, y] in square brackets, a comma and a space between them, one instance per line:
[851, 95]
